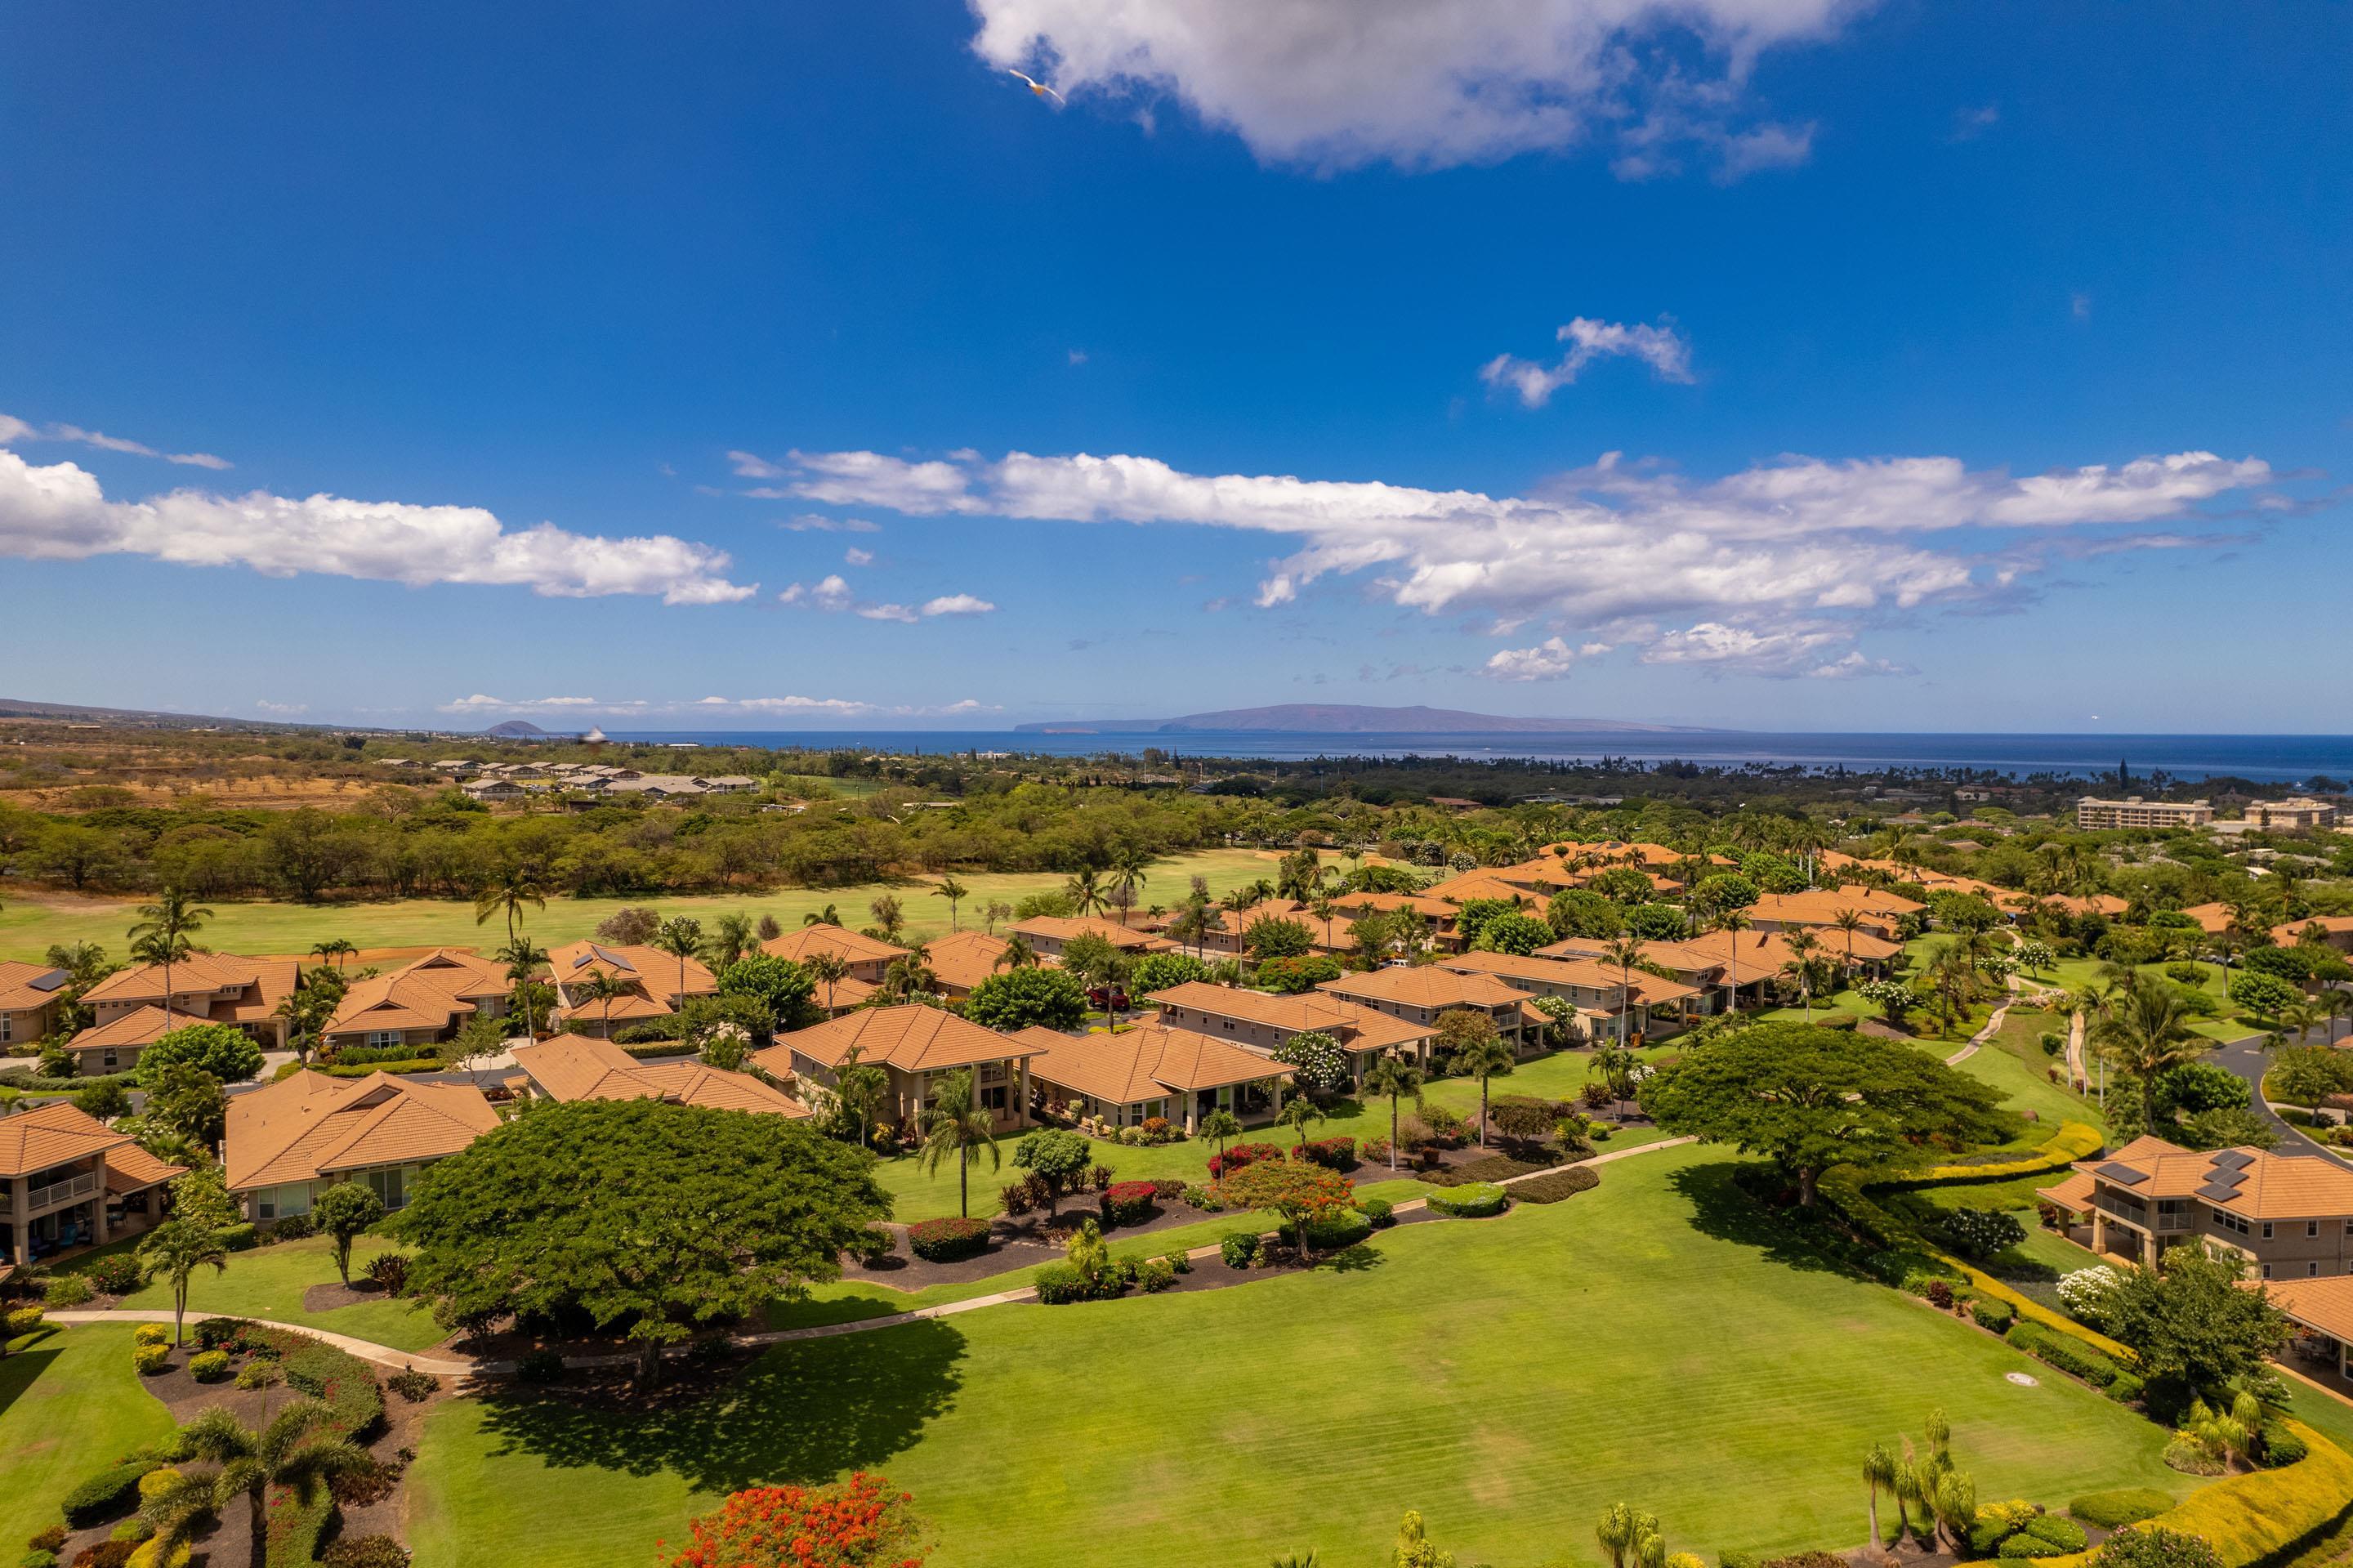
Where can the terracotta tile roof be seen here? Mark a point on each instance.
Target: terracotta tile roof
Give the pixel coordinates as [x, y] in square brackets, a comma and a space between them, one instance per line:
[911, 1037]
[845, 993]
[307, 1126]
[1425, 986]
[1762, 952]
[1473, 884]
[1822, 907]
[965, 959]
[855, 945]
[578, 1067]
[2212, 919]
[1646, 988]
[1357, 1028]
[431, 992]
[1062, 928]
[2325, 1304]
[273, 981]
[1437, 909]
[2275, 1186]
[2106, 903]
[1143, 1064]
[142, 1027]
[1615, 853]
[131, 1168]
[2289, 935]
[26, 987]
[35, 1140]
[654, 973]
[2074, 1194]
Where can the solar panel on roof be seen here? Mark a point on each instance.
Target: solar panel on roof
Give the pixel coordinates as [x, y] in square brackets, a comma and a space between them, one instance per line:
[2226, 1178]
[50, 981]
[614, 958]
[2235, 1159]
[2216, 1194]
[2123, 1173]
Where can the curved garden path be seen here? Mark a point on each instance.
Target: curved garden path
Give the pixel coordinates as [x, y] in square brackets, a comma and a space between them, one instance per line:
[473, 1367]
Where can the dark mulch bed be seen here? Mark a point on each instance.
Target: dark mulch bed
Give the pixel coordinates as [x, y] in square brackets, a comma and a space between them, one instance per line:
[334, 1293]
[1014, 1244]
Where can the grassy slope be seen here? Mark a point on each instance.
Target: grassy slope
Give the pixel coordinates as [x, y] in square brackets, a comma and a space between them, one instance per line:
[68, 1406]
[1676, 1361]
[268, 1282]
[28, 928]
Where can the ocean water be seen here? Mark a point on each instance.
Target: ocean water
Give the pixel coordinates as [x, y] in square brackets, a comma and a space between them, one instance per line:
[2264, 758]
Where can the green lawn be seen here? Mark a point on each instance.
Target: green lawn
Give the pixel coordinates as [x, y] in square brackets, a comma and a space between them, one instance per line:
[2014, 1063]
[1508, 1378]
[68, 1407]
[268, 1282]
[27, 927]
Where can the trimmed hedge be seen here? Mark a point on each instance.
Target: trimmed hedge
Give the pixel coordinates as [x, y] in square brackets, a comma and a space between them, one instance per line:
[2072, 1141]
[110, 1494]
[345, 1384]
[2126, 1505]
[947, 1241]
[1334, 1234]
[1475, 1201]
[2075, 1359]
[1555, 1185]
[2265, 1518]
[293, 1530]
[406, 1065]
[1127, 1202]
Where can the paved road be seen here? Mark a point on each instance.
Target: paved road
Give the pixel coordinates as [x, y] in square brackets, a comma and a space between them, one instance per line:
[2246, 1058]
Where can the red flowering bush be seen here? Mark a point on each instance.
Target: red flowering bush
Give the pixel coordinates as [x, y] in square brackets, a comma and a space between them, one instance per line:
[1239, 1155]
[857, 1523]
[1128, 1203]
[1332, 1153]
[947, 1241]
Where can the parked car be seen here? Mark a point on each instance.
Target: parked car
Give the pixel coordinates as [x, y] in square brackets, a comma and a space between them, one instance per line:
[1108, 999]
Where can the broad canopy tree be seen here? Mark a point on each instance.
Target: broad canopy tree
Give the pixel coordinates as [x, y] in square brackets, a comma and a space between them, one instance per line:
[1809, 1098]
[1019, 997]
[664, 1217]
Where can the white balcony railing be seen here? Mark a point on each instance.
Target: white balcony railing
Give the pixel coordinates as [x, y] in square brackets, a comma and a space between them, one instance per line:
[71, 1190]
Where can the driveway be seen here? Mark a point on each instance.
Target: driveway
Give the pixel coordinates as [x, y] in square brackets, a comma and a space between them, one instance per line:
[2246, 1058]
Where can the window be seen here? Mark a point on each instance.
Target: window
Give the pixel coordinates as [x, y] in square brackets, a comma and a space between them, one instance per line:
[2312, 1228]
[2267, 1271]
[387, 1186]
[2311, 1269]
[378, 1038]
[7, 1024]
[2267, 1229]
[107, 1059]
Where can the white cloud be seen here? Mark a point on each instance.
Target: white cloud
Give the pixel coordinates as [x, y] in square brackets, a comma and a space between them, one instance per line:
[957, 604]
[1968, 125]
[1660, 347]
[888, 612]
[816, 523]
[1339, 83]
[266, 705]
[14, 429]
[833, 594]
[482, 703]
[857, 558]
[1607, 546]
[1762, 147]
[713, 706]
[828, 593]
[59, 512]
[1548, 661]
[1078, 357]
[752, 465]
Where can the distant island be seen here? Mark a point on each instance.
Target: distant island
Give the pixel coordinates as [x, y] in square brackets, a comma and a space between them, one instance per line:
[521, 729]
[1349, 718]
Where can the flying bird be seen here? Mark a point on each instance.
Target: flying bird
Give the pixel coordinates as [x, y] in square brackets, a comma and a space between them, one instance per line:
[1039, 87]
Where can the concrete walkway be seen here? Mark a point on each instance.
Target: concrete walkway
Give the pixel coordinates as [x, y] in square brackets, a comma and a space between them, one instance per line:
[470, 1367]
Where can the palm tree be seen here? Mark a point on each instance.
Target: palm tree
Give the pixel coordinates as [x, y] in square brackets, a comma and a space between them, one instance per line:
[1878, 1470]
[1322, 907]
[1106, 966]
[859, 1087]
[2338, 1005]
[680, 937]
[1397, 1076]
[1297, 1114]
[334, 950]
[1802, 946]
[730, 939]
[828, 970]
[955, 893]
[1849, 921]
[1129, 872]
[1087, 892]
[909, 973]
[2143, 1031]
[175, 1250]
[1483, 1058]
[1625, 952]
[957, 1125]
[1017, 955]
[1220, 1125]
[1732, 922]
[993, 911]
[888, 917]
[1622, 1525]
[605, 989]
[290, 1452]
[2296, 1020]
[164, 934]
[829, 916]
[514, 888]
[523, 959]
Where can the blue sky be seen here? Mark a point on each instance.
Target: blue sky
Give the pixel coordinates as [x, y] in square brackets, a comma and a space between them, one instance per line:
[1968, 368]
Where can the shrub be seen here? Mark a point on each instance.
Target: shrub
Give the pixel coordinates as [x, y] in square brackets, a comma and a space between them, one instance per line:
[1201, 1198]
[39, 1557]
[1156, 1275]
[209, 1366]
[47, 1540]
[1991, 1314]
[1167, 1187]
[2127, 1386]
[1977, 1233]
[116, 1273]
[1334, 1232]
[221, 1333]
[862, 1520]
[1242, 1154]
[1239, 1251]
[413, 1385]
[2064, 1533]
[68, 1290]
[1939, 1292]
[151, 1334]
[1178, 1262]
[22, 1321]
[345, 1384]
[2282, 1447]
[1128, 1203]
[110, 1494]
[2085, 1292]
[365, 1552]
[241, 1238]
[1737, 1559]
[2069, 1356]
[290, 1227]
[157, 1482]
[1332, 1153]
[1554, 1185]
[947, 1241]
[541, 1365]
[2192, 1457]
[1057, 1282]
[151, 1360]
[388, 1272]
[1379, 1213]
[259, 1373]
[2154, 1546]
[1476, 1201]
[106, 1554]
[1806, 1560]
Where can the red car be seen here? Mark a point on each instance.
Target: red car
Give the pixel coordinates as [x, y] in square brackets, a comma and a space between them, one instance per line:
[1107, 999]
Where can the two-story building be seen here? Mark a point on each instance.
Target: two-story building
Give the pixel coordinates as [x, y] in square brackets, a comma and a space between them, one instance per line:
[868, 957]
[1638, 1002]
[67, 1180]
[290, 1141]
[582, 1067]
[916, 1047]
[1127, 1078]
[654, 984]
[1421, 994]
[1262, 1021]
[129, 1011]
[419, 1004]
[1048, 935]
[1820, 909]
[962, 959]
[2290, 1216]
[29, 996]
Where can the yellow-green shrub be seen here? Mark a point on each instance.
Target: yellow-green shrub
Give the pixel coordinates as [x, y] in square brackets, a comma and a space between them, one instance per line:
[151, 1358]
[150, 1334]
[2267, 1517]
[2072, 1141]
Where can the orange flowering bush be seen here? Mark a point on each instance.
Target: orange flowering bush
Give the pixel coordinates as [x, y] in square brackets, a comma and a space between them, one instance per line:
[857, 1523]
